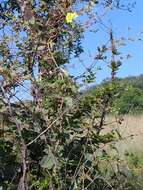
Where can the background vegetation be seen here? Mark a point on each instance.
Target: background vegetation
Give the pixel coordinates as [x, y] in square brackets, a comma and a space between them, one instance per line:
[130, 94]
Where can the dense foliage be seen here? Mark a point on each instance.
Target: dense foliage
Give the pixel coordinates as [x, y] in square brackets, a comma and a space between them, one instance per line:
[129, 98]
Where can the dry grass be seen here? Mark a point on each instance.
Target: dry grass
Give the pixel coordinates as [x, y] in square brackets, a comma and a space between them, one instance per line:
[131, 131]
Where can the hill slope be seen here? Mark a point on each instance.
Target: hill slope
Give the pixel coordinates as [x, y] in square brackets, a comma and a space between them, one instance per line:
[130, 94]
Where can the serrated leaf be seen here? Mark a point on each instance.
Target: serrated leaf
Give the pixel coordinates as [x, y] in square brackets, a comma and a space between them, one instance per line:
[48, 161]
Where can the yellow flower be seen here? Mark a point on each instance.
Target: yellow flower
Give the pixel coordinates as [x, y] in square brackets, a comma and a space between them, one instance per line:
[71, 16]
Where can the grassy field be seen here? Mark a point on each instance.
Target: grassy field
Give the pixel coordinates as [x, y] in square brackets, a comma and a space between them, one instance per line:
[131, 130]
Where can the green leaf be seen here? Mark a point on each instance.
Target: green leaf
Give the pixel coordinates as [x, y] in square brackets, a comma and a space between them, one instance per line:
[69, 101]
[48, 161]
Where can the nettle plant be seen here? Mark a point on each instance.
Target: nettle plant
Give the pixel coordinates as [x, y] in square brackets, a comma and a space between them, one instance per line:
[52, 139]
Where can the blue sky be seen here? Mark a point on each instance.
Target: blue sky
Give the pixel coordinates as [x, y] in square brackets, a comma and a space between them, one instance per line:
[121, 22]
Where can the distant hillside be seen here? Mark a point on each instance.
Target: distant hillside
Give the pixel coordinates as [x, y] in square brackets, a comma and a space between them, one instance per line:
[130, 94]
[136, 81]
